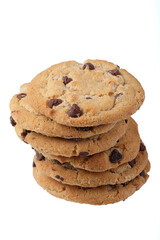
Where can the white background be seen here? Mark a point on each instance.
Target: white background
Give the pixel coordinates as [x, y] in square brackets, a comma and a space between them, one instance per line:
[37, 34]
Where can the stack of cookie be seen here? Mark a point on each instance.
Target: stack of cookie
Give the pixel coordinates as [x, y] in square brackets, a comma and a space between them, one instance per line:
[77, 119]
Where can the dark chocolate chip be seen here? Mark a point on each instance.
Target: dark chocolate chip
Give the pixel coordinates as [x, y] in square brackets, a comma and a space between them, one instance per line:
[21, 95]
[117, 141]
[84, 128]
[83, 154]
[34, 165]
[24, 133]
[57, 162]
[90, 65]
[114, 72]
[66, 80]
[142, 174]
[54, 102]
[62, 179]
[13, 123]
[88, 98]
[39, 156]
[74, 111]
[115, 156]
[132, 163]
[142, 147]
[57, 176]
[126, 120]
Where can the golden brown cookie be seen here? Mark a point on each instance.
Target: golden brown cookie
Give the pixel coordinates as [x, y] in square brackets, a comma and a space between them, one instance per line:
[68, 147]
[96, 196]
[74, 176]
[128, 147]
[96, 92]
[28, 118]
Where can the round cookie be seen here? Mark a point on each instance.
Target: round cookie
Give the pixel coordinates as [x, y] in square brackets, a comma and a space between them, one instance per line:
[96, 92]
[28, 118]
[68, 147]
[67, 175]
[96, 196]
[128, 146]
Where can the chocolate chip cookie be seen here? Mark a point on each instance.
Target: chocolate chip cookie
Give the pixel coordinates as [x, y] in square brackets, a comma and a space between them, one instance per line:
[89, 94]
[128, 147]
[96, 196]
[73, 147]
[28, 118]
[66, 174]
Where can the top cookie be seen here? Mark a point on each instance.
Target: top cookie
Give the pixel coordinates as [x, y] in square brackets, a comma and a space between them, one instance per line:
[89, 94]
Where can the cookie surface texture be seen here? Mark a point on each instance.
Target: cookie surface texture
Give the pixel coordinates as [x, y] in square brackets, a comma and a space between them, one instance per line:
[28, 118]
[75, 94]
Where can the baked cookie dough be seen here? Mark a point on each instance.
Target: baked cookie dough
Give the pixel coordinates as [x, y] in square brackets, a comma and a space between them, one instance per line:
[96, 196]
[89, 94]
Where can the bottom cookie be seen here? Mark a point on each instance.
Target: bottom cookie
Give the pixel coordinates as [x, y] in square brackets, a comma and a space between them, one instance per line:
[96, 196]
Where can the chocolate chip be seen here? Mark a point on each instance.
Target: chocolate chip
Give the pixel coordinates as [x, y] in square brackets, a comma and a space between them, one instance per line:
[13, 123]
[21, 95]
[83, 154]
[25, 132]
[126, 120]
[84, 128]
[90, 65]
[142, 174]
[117, 141]
[57, 162]
[114, 72]
[34, 165]
[74, 111]
[54, 102]
[62, 179]
[66, 80]
[132, 163]
[88, 98]
[57, 176]
[115, 156]
[39, 156]
[142, 147]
